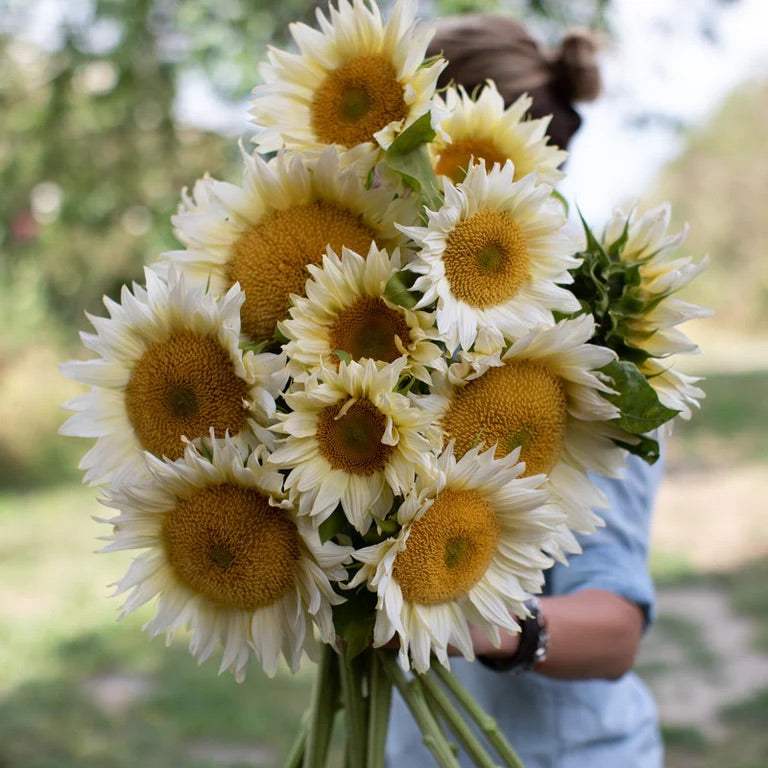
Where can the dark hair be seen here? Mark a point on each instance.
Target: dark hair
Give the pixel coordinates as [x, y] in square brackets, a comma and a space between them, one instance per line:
[479, 47]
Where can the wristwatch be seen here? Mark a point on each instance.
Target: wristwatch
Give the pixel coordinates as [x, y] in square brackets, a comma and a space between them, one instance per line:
[534, 640]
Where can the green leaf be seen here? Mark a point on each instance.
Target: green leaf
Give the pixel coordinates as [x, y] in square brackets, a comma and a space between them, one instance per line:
[617, 246]
[418, 133]
[559, 196]
[256, 346]
[345, 357]
[331, 526]
[408, 156]
[280, 337]
[354, 621]
[594, 248]
[641, 411]
[398, 289]
[645, 447]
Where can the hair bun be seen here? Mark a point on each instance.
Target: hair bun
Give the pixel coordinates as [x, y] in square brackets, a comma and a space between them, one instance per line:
[576, 66]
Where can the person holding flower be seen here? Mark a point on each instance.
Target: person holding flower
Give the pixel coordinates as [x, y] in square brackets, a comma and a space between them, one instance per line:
[561, 689]
[383, 387]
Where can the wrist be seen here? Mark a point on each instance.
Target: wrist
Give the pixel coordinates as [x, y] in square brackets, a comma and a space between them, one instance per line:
[531, 647]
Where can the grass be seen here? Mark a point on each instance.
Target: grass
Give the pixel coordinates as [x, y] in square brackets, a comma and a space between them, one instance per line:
[681, 632]
[744, 746]
[78, 688]
[61, 642]
[65, 662]
[730, 424]
[744, 743]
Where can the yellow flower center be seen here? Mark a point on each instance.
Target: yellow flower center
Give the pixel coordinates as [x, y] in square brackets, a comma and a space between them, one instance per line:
[486, 259]
[368, 328]
[270, 259]
[454, 159]
[520, 404]
[229, 545]
[184, 386]
[356, 101]
[352, 442]
[448, 549]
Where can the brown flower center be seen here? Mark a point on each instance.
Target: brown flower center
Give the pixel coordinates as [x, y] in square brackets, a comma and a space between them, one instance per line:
[520, 404]
[486, 259]
[448, 549]
[184, 386]
[357, 100]
[368, 328]
[270, 259]
[229, 545]
[352, 442]
[454, 159]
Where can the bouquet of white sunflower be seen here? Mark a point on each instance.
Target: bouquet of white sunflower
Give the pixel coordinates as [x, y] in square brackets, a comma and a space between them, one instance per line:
[356, 413]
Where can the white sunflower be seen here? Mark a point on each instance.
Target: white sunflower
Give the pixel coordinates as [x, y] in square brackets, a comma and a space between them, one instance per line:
[543, 395]
[346, 310]
[169, 367]
[470, 129]
[265, 233]
[469, 551]
[494, 256]
[226, 557]
[351, 439]
[356, 82]
[653, 328]
[675, 389]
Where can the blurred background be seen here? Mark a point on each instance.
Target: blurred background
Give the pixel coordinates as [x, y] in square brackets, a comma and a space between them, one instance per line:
[108, 108]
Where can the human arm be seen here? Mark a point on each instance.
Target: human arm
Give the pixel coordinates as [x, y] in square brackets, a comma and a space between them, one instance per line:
[593, 633]
[597, 607]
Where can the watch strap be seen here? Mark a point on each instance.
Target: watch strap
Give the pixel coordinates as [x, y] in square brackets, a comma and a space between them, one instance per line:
[532, 649]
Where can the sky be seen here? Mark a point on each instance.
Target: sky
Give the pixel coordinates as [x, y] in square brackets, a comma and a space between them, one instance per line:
[660, 64]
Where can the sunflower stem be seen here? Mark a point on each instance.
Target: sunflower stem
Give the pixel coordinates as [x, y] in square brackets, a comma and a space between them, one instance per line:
[322, 710]
[295, 756]
[378, 716]
[433, 737]
[442, 703]
[487, 725]
[353, 679]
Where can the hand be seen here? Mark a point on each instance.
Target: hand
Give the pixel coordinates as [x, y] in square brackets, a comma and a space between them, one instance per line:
[484, 647]
[481, 643]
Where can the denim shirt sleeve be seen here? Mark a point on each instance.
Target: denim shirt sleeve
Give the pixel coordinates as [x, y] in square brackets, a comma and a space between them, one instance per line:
[615, 558]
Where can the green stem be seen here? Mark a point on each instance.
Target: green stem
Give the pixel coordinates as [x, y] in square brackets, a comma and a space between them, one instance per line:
[456, 722]
[322, 709]
[378, 717]
[487, 725]
[353, 673]
[295, 756]
[433, 737]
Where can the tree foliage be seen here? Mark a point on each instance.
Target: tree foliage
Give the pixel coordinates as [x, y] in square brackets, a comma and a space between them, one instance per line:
[92, 156]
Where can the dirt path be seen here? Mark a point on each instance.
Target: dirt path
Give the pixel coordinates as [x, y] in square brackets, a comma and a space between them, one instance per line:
[700, 656]
[708, 666]
[715, 519]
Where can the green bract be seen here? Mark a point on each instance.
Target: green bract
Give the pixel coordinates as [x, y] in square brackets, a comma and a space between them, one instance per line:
[611, 289]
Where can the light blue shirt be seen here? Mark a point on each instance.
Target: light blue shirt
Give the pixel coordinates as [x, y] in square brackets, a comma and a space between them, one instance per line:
[582, 723]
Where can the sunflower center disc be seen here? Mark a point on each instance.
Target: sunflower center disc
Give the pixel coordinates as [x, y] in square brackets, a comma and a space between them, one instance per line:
[448, 549]
[454, 159]
[357, 100]
[227, 544]
[352, 442]
[486, 259]
[368, 328]
[270, 259]
[520, 404]
[184, 386]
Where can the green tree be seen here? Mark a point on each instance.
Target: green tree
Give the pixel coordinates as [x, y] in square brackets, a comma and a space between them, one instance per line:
[92, 156]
